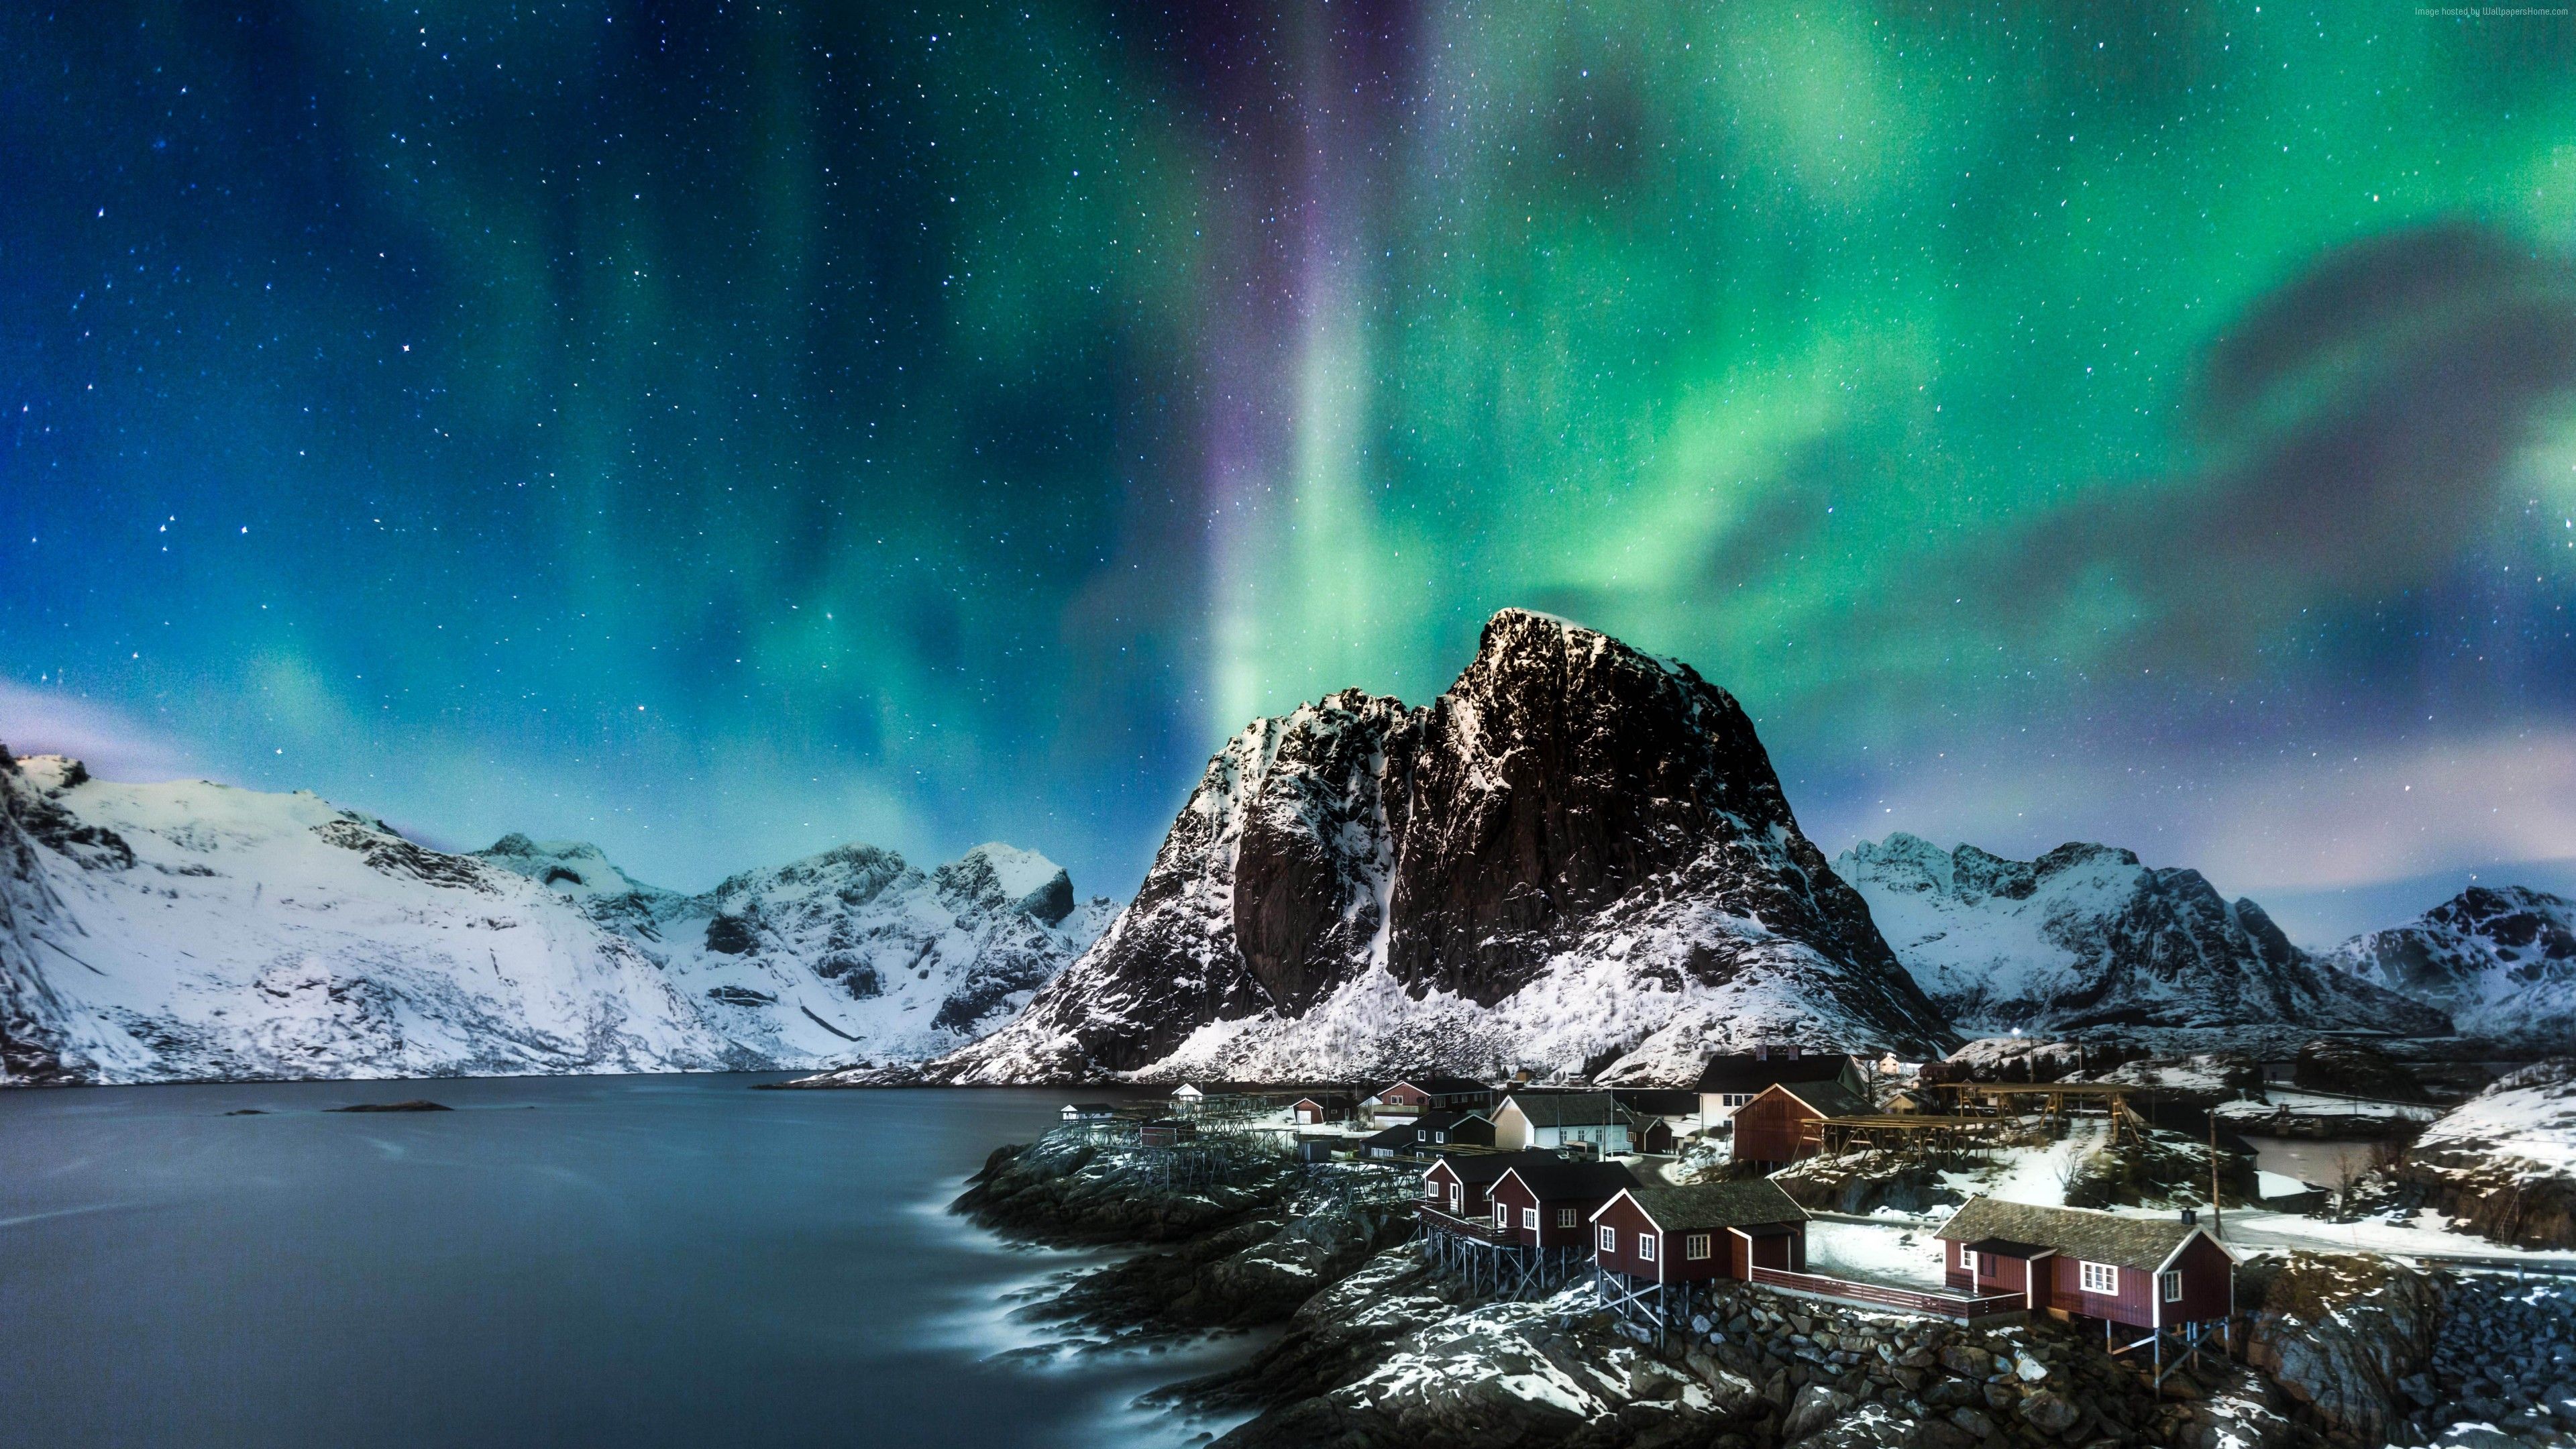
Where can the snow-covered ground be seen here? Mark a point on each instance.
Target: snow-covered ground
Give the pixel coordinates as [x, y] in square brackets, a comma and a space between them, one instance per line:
[2424, 1235]
[2038, 1175]
[2524, 1123]
[2247, 1113]
[1898, 1252]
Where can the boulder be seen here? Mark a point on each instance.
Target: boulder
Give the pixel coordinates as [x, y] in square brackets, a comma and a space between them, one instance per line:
[2338, 1333]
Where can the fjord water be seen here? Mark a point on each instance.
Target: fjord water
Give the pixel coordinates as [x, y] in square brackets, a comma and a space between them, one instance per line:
[632, 1261]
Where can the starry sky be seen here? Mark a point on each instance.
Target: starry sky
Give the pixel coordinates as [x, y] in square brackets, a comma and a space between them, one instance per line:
[726, 430]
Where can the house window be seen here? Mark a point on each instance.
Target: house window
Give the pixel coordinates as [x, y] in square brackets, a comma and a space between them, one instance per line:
[1609, 1240]
[2100, 1278]
[1529, 1219]
[1695, 1247]
[1502, 1215]
[1967, 1257]
[1431, 1190]
[1645, 1247]
[2173, 1287]
[1565, 1217]
[1439, 1136]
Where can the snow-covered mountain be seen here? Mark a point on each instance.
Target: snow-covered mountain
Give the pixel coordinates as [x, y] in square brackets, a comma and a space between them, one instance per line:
[1578, 857]
[848, 952]
[2501, 961]
[2085, 936]
[191, 931]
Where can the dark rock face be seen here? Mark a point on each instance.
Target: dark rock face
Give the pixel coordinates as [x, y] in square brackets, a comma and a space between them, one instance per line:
[2340, 1333]
[1564, 771]
[1568, 806]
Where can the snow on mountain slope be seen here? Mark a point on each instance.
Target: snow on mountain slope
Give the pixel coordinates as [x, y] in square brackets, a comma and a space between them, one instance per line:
[190, 931]
[2501, 961]
[1576, 858]
[2085, 936]
[848, 953]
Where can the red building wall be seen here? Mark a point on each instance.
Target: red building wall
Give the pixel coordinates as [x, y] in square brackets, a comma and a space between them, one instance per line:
[1514, 1193]
[1769, 1128]
[1624, 1216]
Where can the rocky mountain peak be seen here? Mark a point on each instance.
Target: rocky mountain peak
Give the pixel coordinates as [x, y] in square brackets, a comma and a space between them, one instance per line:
[1572, 822]
[995, 877]
[2500, 959]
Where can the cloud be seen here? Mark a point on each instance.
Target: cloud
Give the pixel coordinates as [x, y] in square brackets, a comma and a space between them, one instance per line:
[2354, 430]
[47, 722]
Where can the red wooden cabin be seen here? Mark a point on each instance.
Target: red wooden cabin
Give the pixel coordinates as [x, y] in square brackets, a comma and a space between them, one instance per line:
[2150, 1273]
[1548, 1204]
[1168, 1132]
[1707, 1230]
[1774, 1129]
[1462, 1187]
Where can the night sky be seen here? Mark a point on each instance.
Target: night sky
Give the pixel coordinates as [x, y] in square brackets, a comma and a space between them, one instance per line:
[724, 431]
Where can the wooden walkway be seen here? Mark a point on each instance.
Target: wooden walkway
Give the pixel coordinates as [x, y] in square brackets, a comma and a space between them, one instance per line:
[1880, 1295]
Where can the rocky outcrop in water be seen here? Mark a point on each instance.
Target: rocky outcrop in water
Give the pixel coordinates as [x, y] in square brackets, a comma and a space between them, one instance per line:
[1578, 857]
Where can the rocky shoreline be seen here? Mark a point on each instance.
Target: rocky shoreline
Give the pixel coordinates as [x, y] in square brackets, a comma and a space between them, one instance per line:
[2344, 1351]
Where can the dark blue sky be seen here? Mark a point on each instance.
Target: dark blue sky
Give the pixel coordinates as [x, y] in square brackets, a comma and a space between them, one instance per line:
[726, 431]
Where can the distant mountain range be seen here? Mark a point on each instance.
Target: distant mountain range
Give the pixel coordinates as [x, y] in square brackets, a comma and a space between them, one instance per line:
[1577, 859]
[189, 931]
[2086, 937]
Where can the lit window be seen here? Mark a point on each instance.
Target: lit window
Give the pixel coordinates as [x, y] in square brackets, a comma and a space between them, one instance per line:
[1695, 1246]
[2100, 1278]
[1609, 1240]
[2173, 1287]
[1645, 1247]
[1529, 1219]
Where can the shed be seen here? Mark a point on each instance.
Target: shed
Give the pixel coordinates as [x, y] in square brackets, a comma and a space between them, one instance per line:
[1186, 1098]
[1089, 1112]
[1775, 1127]
[1428, 1133]
[2151, 1273]
[1702, 1231]
[1547, 1204]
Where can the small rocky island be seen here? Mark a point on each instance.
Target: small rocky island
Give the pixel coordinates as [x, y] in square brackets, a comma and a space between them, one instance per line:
[1379, 1342]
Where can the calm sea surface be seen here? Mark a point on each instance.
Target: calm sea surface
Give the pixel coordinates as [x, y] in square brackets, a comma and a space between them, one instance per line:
[594, 1261]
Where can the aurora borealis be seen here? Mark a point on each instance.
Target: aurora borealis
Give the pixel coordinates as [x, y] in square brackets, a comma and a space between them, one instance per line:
[722, 431]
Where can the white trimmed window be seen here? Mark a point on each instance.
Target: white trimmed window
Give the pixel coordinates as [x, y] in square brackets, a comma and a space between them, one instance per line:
[2172, 1285]
[1439, 1136]
[1457, 1197]
[1645, 1247]
[1695, 1247]
[1502, 1215]
[1565, 1217]
[1967, 1257]
[1431, 1190]
[1609, 1239]
[1529, 1219]
[2099, 1277]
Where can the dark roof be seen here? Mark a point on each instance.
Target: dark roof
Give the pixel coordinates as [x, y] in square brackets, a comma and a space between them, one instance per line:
[1717, 1205]
[1325, 1099]
[1091, 1106]
[1439, 1121]
[1658, 1101]
[2008, 1248]
[1487, 1166]
[1390, 1137]
[2095, 1237]
[1832, 1099]
[1747, 1073]
[1440, 1086]
[1566, 1109]
[1556, 1179]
